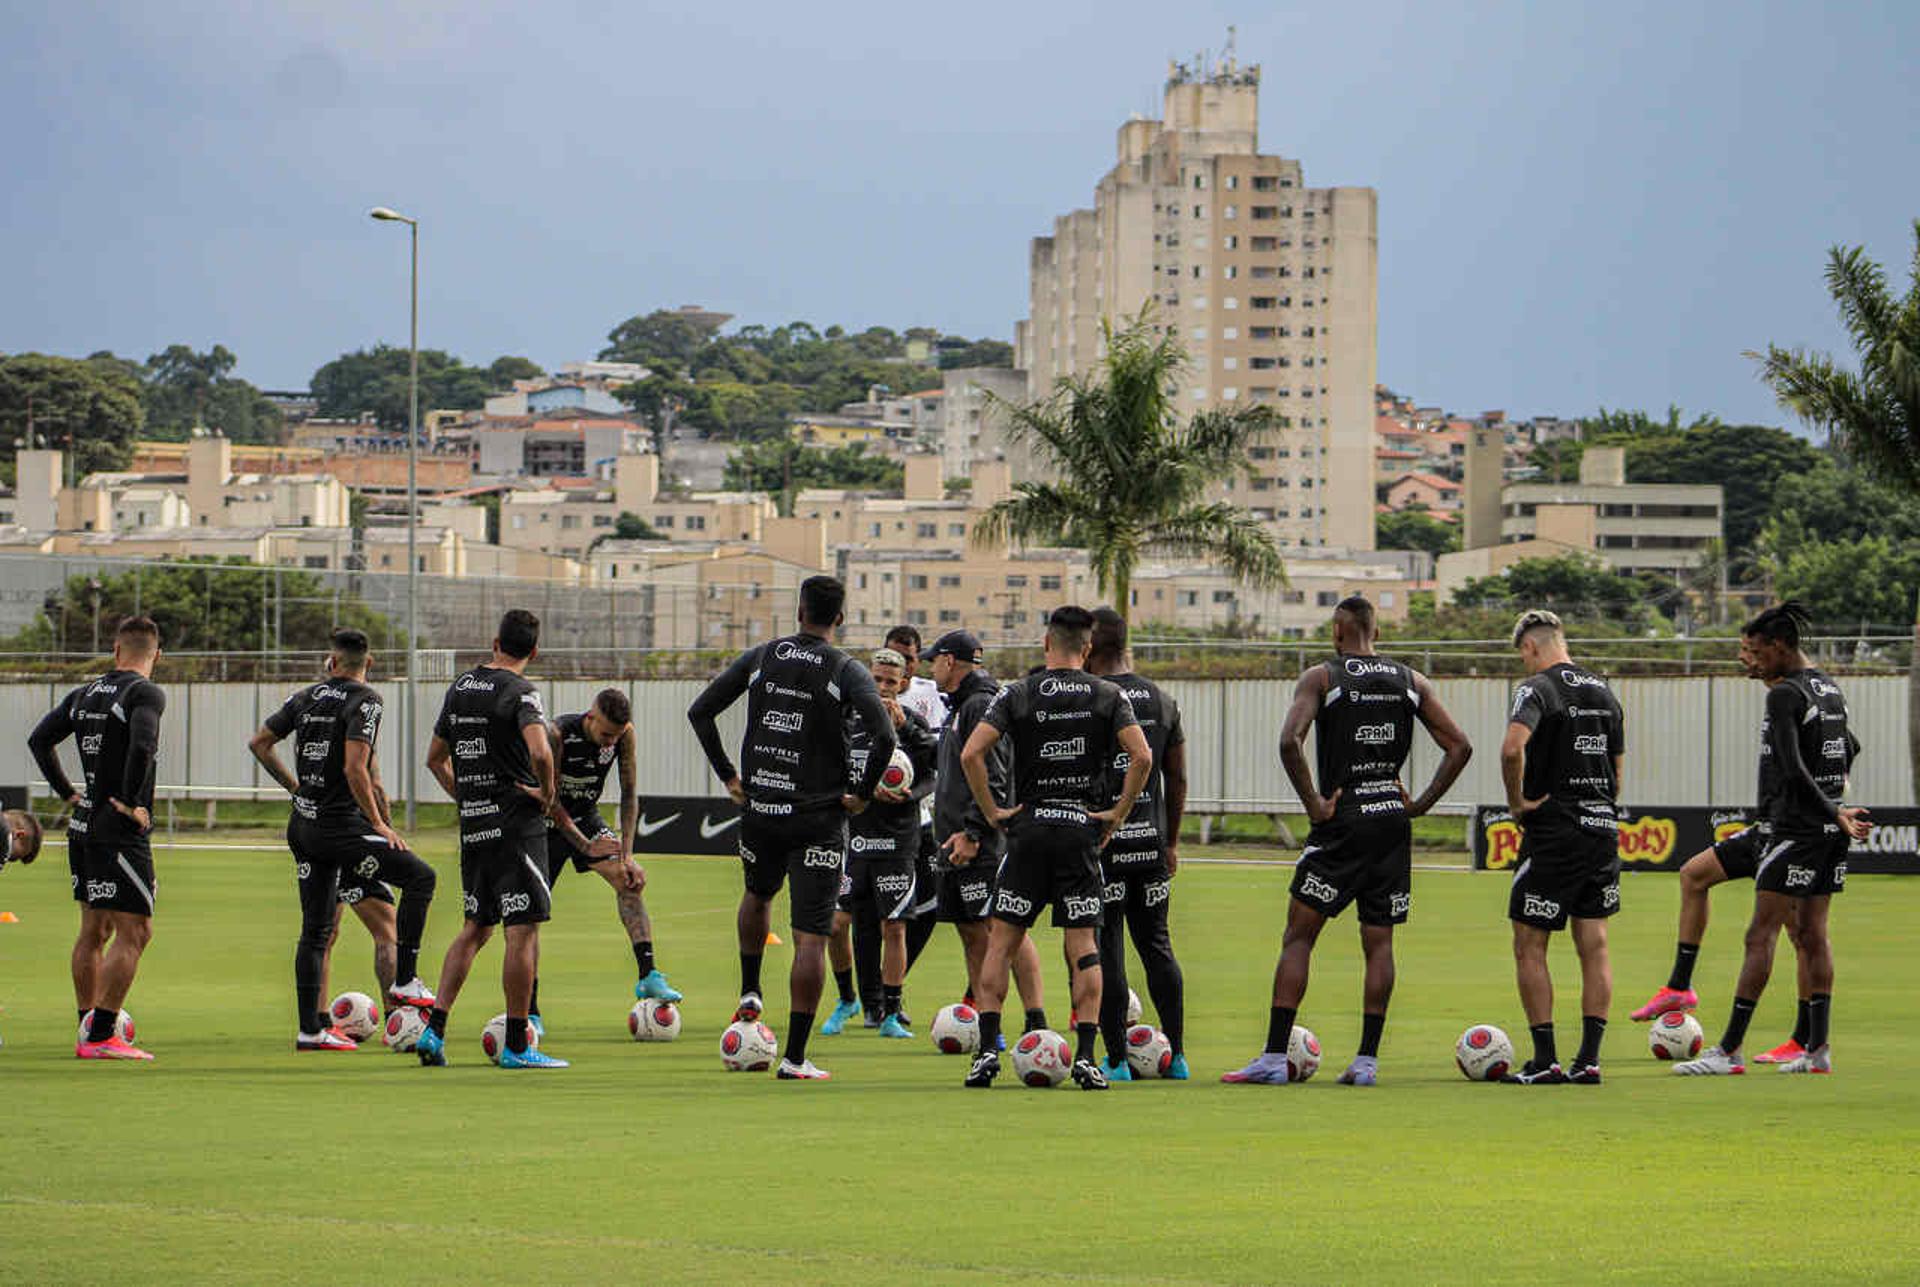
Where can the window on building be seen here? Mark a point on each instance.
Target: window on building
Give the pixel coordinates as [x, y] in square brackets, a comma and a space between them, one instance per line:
[1326, 598]
[949, 582]
[1199, 212]
[916, 582]
[696, 522]
[1199, 332]
[1230, 394]
[1266, 212]
[1230, 301]
[1223, 596]
[314, 561]
[1233, 182]
[1230, 271]
[1016, 583]
[926, 531]
[1189, 598]
[1262, 245]
[956, 529]
[1230, 243]
[1229, 364]
[603, 520]
[1261, 363]
[948, 616]
[1261, 303]
[568, 522]
[1263, 183]
[917, 616]
[1229, 212]
[1049, 583]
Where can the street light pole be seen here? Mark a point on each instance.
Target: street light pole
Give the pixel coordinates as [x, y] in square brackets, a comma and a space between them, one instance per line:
[412, 753]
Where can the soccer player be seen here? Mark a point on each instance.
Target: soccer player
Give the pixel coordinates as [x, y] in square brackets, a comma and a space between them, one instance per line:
[883, 844]
[1066, 727]
[584, 747]
[341, 830]
[793, 792]
[968, 849]
[1360, 848]
[115, 723]
[1806, 750]
[19, 838]
[1137, 869]
[490, 753]
[1735, 858]
[1560, 761]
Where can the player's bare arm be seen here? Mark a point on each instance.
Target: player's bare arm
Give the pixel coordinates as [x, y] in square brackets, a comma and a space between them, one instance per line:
[440, 764]
[1139, 765]
[1455, 749]
[1293, 745]
[357, 761]
[1173, 787]
[265, 748]
[540, 754]
[1513, 771]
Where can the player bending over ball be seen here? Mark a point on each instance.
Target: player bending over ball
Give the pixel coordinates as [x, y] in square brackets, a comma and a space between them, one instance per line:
[1360, 848]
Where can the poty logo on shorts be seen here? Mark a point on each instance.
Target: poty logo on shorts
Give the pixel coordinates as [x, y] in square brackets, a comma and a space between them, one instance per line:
[1399, 904]
[1610, 897]
[1839, 875]
[1373, 734]
[1116, 892]
[1544, 908]
[871, 844]
[369, 867]
[514, 904]
[470, 748]
[747, 856]
[783, 721]
[1590, 744]
[1799, 877]
[1079, 908]
[1158, 892]
[302, 870]
[100, 890]
[820, 856]
[1314, 887]
[352, 894]
[472, 905]
[1066, 748]
[1012, 904]
[1052, 686]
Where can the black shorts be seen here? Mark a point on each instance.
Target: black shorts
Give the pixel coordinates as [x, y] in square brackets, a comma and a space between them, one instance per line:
[806, 849]
[1803, 866]
[884, 879]
[1364, 861]
[926, 885]
[560, 850]
[964, 895]
[1564, 872]
[503, 872]
[367, 865]
[1057, 865]
[1739, 854]
[116, 875]
[1130, 891]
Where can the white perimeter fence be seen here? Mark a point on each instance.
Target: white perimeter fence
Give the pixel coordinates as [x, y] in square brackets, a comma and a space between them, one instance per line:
[1689, 740]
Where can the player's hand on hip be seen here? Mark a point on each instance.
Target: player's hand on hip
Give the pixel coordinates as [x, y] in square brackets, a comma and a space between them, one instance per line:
[854, 805]
[1526, 808]
[1173, 859]
[1000, 817]
[603, 845]
[737, 792]
[1854, 821]
[388, 834]
[1322, 809]
[141, 818]
[1413, 809]
[961, 848]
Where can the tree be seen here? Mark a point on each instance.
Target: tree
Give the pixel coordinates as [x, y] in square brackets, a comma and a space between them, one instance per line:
[783, 467]
[90, 408]
[628, 527]
[1748, 461]
[503, 371]
[982, 352]
[1873, 415]
[184, 388]
[375, 380]
[1133, 476]
[1414, 528]
[665, 340]
[1573, 585]
[1868, 580]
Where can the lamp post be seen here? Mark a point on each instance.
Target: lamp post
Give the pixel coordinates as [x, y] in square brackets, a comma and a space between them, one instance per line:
[412, 753]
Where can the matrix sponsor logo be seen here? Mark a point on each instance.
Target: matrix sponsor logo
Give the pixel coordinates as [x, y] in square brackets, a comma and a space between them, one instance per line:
[1311, 886]
[1590, 744]
[1544, 908]
[1013, 904]
[1079, 908]
[471, 748]
[1373, 734]
[1054, 686]
[1065, 748]
[822, 857]
[783, 721]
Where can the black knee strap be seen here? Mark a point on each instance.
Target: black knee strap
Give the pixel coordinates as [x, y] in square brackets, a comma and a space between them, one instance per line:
[1088, 961]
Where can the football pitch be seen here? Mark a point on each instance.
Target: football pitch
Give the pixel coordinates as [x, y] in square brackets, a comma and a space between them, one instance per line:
[233, 1160]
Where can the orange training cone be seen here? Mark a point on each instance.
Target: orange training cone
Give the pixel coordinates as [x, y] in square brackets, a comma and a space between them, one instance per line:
[773, 939]
[8, 918]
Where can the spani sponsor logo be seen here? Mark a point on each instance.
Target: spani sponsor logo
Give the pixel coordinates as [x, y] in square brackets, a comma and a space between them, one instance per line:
[1066, 748]
[1647, 839]
[783, 721]
[1590, 744]
[470, 748]
[1834, 748]
[1373, 734]
[314, 750]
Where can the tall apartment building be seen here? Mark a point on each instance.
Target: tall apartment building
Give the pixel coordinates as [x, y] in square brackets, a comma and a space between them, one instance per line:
[1271, 285]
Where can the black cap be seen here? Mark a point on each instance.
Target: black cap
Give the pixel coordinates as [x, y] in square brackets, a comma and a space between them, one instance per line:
[959, 644]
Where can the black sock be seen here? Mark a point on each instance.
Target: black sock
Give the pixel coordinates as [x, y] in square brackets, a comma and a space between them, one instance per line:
[643, 957]
[889, 998]
[1371, 1026]
[1544, 1053]
[516, 1035]
[989, 1031]
[749, 972]
[1683, 958]
[1737, 1024]
[799, 1028]
[1036, 1019]
[1592, 1029]
[100, 1027]
[1819, 1017]
[437, 1020]
[406, 962]
[1084, 1035]
[1280, 1029]
[843, 979]
[1802, 1025]
[533, 1000]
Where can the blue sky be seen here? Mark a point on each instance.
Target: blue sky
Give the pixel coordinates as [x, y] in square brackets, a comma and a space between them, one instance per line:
[1580, 204]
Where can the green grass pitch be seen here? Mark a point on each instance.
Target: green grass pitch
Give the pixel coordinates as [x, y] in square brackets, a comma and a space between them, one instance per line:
[233, 1160]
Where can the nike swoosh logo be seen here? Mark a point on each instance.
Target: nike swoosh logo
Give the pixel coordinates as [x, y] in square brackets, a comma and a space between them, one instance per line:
[708, 831]
[646, 828]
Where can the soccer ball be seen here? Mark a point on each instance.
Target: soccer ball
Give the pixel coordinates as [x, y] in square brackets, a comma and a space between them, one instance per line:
[1149, 1053]
[404, 1026]
[748, 1046]
[1133, 1007]
[1303, 1054]
[956, 1030]
[1042, 1058]
[654, 1021]
[898, 775]
[122, 1027]
[1675, 1035]
[355, 1014]
[1484, 1053]
[493, 1038]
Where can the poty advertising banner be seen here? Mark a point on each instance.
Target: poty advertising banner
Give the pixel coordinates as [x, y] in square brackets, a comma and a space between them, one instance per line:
[682, 824]
[1663, 838]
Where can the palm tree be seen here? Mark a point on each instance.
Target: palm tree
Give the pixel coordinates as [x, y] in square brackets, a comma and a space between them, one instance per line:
[1133, 477]
[1873, 415]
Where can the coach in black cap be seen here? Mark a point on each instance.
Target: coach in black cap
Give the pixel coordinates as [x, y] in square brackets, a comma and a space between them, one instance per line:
[967, 849]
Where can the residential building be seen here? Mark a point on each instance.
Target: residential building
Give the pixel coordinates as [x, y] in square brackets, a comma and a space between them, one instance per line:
[973, 421]
[1428, 491]
[1270, 285]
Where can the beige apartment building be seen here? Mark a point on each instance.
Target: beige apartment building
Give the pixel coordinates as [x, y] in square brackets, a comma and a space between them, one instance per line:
[1271, 285]
[705, 594]
[1002, 598]
[209, 495]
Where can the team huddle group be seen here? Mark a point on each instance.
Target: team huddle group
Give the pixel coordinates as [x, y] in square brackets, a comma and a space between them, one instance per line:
[886, 802]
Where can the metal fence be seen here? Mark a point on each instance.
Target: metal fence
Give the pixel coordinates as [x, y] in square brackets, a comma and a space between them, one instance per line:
[1689, 740]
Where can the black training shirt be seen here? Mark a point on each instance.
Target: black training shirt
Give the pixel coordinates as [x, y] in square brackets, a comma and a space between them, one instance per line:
[1065, 728]
[323, 718]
